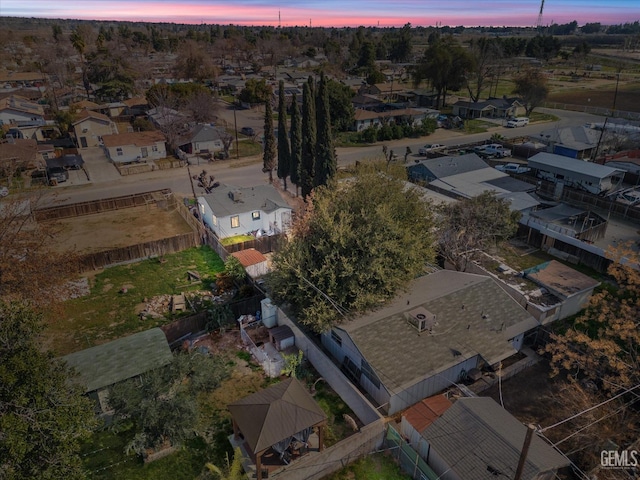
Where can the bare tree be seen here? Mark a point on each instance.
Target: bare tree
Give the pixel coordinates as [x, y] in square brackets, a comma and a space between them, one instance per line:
[201, 107]
[31, 270]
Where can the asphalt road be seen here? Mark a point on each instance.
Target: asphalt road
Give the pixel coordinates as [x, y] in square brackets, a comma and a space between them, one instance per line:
[248, 172]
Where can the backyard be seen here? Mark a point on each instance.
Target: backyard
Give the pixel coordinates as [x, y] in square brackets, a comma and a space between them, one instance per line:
[104, 455]
[117, 295]
[110, 309]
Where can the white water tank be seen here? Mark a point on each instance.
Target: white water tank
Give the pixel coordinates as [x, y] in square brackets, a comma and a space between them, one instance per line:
[269, 313]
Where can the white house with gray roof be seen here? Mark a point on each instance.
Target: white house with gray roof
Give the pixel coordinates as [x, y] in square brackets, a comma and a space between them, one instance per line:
[477, 439]
[447, 324]
[230, 211]
[592, 177]
[202, 139]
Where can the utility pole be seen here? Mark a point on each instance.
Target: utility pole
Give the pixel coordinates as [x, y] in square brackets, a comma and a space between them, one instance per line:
[235, 126]
[523, 453]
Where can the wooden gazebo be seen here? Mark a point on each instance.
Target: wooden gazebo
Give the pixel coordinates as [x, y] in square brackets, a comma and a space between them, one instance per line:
[275, 418]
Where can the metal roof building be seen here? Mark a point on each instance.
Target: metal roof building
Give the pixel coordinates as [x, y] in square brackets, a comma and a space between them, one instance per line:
[478, 439]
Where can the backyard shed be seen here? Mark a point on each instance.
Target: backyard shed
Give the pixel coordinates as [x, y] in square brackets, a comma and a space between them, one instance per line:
[104, 365]
[282, 337]
[254, 262]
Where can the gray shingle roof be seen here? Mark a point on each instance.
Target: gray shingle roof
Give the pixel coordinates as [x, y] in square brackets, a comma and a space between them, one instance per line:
[275, 413]
[476, 435]
[400, 355]
[127, 357]
[262, 197]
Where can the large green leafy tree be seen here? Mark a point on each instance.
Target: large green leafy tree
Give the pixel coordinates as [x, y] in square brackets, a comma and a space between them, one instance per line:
[445, 65]
[532, 87]
[474, 224]
[284, 151]
[308, 138]
[43, 416]
[355, 247]
[326, 161]
[112, 73]
[340, 105]
[163, 402]
[269, 155]
[401, 46]
[296, 143]
[255, 91]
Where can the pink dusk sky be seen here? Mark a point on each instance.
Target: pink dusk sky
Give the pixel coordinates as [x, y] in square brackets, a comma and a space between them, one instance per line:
[332, 13]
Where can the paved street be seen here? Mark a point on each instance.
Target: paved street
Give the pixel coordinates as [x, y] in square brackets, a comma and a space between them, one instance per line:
[104, 180]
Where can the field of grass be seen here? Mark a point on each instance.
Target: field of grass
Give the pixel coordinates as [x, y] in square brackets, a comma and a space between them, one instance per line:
[109, 312]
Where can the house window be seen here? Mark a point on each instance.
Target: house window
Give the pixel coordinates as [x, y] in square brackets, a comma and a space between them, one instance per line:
[202, 208]
[235, 221]
[336, 338]
[255, 215]
[154, 148]
[119, 151]
[214, 219]
[369, 373]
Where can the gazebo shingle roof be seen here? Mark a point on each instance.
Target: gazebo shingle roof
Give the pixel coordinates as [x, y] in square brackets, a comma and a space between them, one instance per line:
[275, 413]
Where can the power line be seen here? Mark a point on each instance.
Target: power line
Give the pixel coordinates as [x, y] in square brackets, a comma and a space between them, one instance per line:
[589, 409]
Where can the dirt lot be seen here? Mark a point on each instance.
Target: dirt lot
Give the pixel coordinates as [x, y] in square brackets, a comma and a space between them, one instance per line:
[119, 228]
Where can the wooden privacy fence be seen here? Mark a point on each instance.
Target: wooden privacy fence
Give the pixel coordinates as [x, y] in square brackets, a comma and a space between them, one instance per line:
[140, 251]
[158, 197]
[196, 323]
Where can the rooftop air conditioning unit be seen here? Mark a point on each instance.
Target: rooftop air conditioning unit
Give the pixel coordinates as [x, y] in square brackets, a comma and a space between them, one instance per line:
[235, 195]
[421, 319]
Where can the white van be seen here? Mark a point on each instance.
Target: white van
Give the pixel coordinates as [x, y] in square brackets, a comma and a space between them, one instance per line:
[518, 122]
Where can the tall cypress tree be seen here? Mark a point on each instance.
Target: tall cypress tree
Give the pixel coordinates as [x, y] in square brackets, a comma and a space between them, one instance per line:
[326, 163]
[296, 143]
[308, 138]
[269, 155]
[284, 153]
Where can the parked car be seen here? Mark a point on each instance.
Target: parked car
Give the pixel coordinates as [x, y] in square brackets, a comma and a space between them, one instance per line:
[493, 150]
[630, 197]
[518, 122]
[57, 174]
[4, 191]
[513, 168]
[430, 147]
[248, 131]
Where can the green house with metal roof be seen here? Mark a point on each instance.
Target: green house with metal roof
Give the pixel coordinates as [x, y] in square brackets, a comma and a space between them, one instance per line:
[104, 365]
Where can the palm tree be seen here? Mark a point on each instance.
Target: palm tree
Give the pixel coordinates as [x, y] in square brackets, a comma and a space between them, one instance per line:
[231, 471]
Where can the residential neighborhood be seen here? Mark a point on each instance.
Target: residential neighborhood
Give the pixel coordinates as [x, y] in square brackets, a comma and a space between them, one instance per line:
[244, 251]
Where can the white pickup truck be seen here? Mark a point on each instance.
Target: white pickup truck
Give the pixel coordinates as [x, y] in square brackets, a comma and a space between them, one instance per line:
[513, 168]
[493, 150]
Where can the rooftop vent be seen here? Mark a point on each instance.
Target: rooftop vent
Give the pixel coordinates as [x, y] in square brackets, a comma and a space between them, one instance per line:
[421, 319]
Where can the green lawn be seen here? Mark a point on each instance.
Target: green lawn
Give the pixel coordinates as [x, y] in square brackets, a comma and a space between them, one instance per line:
[372, 467]
[236, 239]
[104, 459]
[107, 313]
